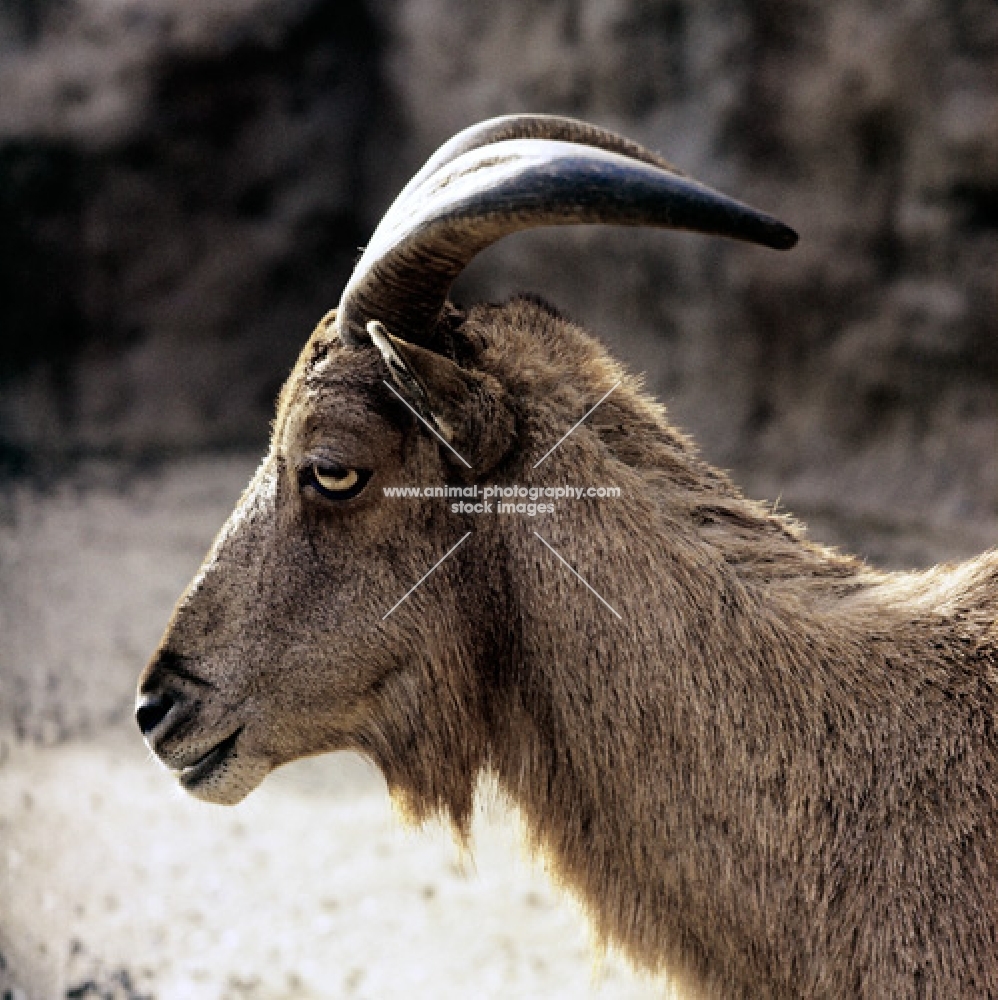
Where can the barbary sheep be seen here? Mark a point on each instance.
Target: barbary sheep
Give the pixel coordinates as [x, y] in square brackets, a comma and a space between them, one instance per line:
[761, 765]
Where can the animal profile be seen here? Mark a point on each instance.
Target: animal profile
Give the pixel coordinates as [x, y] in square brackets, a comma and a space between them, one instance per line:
[764, 767]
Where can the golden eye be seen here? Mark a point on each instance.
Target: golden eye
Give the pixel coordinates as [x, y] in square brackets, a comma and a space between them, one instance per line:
[335, 480]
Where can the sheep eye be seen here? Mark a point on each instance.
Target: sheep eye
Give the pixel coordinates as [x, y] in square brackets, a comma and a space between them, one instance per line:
[336, 481]
[333, 481]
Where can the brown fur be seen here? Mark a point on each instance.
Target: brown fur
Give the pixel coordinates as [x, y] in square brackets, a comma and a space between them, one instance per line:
[776, 775]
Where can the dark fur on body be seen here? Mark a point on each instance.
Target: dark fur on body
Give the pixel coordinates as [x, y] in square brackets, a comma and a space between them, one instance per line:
[775, 775]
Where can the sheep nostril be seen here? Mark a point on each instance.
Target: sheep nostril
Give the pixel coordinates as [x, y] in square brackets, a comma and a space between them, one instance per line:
[152, 710]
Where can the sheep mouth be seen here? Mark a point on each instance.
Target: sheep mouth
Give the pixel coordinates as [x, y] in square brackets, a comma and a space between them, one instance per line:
[195, 773]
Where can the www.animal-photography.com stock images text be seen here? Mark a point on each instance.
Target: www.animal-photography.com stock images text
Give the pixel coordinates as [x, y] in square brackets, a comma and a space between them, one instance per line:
[498, 501]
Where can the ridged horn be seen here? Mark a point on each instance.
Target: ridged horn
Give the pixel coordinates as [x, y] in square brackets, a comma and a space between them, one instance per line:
[533, 127]
[477, 189]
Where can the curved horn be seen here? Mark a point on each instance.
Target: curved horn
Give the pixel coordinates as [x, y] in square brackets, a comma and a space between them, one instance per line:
[473, 197]
[532, 127]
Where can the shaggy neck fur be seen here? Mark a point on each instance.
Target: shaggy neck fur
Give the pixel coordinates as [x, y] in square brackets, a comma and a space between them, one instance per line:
[775, 774]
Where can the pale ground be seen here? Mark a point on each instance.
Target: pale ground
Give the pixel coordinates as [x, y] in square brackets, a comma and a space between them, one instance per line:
[115, 885]
[308, 889]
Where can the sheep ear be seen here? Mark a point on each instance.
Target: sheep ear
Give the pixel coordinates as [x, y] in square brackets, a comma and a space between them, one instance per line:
[466, 410]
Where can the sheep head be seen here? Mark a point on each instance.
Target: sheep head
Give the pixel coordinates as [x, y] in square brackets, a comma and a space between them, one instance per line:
[289, 641]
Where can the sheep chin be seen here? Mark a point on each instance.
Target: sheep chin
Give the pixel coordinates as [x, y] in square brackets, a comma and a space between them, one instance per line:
[231, 781]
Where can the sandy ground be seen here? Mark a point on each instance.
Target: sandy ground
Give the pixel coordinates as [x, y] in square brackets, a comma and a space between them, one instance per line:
[115, 885]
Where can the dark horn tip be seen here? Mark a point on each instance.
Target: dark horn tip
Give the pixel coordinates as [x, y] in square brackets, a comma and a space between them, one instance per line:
[781, 237]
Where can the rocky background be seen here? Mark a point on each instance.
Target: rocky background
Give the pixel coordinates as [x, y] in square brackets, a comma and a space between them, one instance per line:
[184, 188]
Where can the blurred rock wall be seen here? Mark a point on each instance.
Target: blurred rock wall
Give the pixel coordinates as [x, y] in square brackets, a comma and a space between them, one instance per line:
[179, 201]
[184, 187]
